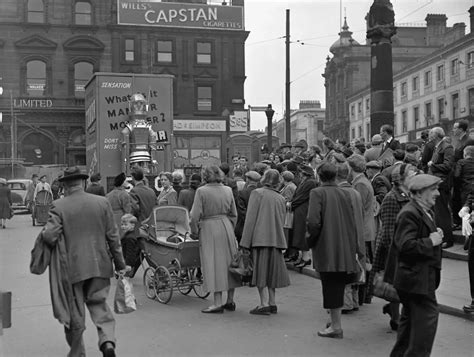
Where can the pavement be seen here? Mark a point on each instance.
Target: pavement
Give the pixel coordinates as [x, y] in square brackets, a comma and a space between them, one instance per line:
[453, 292]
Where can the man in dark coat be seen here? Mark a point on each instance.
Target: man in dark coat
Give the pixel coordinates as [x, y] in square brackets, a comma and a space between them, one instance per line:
[243, 197]
[386, 132]
[441, 165]
[416, 245]
[95, 187]
[186, 196]
[143, 197]
[86, 222]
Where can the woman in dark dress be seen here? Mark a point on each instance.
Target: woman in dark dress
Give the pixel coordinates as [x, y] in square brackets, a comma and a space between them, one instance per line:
[5, 202]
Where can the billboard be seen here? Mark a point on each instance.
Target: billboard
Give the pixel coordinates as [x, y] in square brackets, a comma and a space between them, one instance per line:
[162, 14]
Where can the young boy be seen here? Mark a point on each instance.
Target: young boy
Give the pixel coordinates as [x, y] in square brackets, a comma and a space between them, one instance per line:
[130, 245]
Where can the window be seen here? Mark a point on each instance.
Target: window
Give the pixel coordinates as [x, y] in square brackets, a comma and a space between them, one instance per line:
[321, 124]
[367, 105]
[428, 114]
[36, 11]
[204, 98]
[441, 108]
[352, 110]
[164, 51]
[427, 80]
[455, 101]
[36, 78]
[440, 73]
[204, 52]
[415, 83]
[359, 107]
[470, 60]
[404, 89]
[416, 116]
[83, 13]
[367, 132]
[82, 73]
[129, 50]
[471, 101]
[404, 121]
[395, 124]
[454, 67]
[353, 133]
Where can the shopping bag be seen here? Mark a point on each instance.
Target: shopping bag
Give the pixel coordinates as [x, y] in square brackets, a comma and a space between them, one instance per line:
[124, 300]
[289, 216]
[242, 264]
[384, 290]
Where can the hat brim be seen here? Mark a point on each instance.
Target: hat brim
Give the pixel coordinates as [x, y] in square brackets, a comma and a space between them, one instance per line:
[73, 177]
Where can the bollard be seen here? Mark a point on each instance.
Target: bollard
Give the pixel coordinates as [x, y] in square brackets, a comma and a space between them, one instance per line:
[5, 310]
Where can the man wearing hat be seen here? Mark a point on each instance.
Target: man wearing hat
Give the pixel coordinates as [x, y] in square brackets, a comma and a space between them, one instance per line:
[186, 196]
[95, 187]
[242, 201]
[380, 183]
[284, 148]
[376, 147]
[299, 147]
[86, 224]
[143, 197]
[417, 248]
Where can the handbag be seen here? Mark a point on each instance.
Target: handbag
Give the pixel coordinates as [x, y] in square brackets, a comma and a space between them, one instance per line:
[384, 290]
[124, 300]
[242, 264]
[289, 217]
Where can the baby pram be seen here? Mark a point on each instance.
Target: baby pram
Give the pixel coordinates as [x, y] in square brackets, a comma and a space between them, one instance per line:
[41, 207]
[171, 255]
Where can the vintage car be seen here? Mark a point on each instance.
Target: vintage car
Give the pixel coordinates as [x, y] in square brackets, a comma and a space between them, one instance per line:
[19, 188]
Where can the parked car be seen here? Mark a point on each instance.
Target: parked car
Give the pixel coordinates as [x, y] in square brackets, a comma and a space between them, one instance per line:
[19, 188]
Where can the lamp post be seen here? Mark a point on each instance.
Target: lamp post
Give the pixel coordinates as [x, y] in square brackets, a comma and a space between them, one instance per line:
[269, 113]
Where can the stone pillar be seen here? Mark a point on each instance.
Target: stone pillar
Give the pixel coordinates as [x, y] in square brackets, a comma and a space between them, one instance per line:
[380, 30]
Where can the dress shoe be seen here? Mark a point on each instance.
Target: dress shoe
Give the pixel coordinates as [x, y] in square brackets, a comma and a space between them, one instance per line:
[394, 325]
[273, 309]
[261, 310]
[108, 349]
[302, 263]
[213, 310]
[229, 306]
[468, 308]
[347, 311]
[290, 259]
[332, 334]
[446, 245]
[386, 310]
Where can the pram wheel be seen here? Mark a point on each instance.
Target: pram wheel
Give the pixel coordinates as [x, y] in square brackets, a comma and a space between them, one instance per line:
[196, 277]
[149, 282]
[163, 285]
[183, 277]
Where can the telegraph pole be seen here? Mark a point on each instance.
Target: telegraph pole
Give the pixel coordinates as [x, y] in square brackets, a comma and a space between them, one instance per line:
[13, 134]
[287, 82]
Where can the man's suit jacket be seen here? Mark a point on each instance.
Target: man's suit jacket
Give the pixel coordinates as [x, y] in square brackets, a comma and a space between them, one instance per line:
[461, 144]
[86, 221]
[394, 145]
[442, 161]
[144, 199]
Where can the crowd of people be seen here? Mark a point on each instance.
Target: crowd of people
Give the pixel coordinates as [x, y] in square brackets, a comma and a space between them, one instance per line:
[348, 210]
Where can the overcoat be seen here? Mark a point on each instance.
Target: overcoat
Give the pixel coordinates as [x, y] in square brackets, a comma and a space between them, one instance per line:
[418, 262]
[90, 233]
[364, 187]
[264, 222]
[331, 226]
[167, 198]
[96, 189]
[299, 205]
[144, 199]
[5, 202]
[121, 203]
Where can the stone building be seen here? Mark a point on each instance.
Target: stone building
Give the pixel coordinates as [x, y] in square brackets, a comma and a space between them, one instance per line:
[50, 48]
[348, 70]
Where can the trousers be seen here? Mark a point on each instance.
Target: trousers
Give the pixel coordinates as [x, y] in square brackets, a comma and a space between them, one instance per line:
[470, 264]
[93, 294]
[418, 325]
[442, 212]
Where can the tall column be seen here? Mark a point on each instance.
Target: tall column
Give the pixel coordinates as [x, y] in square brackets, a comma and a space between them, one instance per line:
[380, 30]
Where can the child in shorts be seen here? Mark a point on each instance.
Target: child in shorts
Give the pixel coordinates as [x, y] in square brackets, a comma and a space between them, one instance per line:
[130, 244]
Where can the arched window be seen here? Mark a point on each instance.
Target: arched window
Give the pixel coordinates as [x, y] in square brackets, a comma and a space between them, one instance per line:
[83, 13]
[82, 73]
[36, 11]
[36, 78]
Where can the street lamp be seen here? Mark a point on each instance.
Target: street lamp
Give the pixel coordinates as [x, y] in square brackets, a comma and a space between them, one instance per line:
[269, 113]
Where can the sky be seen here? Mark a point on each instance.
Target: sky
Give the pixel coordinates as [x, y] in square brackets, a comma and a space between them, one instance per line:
[314, 27]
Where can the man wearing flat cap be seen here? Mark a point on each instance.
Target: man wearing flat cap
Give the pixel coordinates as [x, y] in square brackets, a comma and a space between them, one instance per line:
[252, 179]
[143, 197]
[284, 148]
[95, 187]
[86, 224]
[416, 250]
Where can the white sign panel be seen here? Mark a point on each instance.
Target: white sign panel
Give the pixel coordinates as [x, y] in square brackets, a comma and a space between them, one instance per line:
[198, 125]
[238, 121]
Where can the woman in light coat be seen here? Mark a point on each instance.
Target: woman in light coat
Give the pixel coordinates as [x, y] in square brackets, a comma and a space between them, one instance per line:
[263, 234]
[168, 195]
[215, 215]
[120, 200]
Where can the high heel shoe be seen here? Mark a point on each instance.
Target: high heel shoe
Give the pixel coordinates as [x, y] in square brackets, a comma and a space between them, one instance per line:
[303, 263]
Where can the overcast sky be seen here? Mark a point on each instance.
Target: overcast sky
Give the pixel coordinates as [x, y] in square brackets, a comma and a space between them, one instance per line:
[314, 27]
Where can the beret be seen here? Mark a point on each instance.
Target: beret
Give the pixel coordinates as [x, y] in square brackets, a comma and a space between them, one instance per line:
[373, 164]
[420, 182]
[288, 175]
[253, 175]
[357, 163]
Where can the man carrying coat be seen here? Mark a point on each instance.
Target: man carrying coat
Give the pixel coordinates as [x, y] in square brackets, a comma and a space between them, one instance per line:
[86, 223]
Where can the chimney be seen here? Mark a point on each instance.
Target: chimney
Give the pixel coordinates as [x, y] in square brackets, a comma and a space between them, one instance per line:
[435, 29]
[471, 16]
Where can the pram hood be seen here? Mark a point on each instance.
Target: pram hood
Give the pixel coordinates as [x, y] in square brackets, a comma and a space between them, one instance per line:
[171, 218]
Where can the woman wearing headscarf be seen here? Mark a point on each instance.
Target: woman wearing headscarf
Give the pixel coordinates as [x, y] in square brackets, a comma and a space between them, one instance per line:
[392, 204]
[263, 234]
[120, 200]
[215, 215]
[5, 202]
[168, 195]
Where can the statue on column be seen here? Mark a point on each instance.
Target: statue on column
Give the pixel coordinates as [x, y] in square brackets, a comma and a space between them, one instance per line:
[139, 139]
